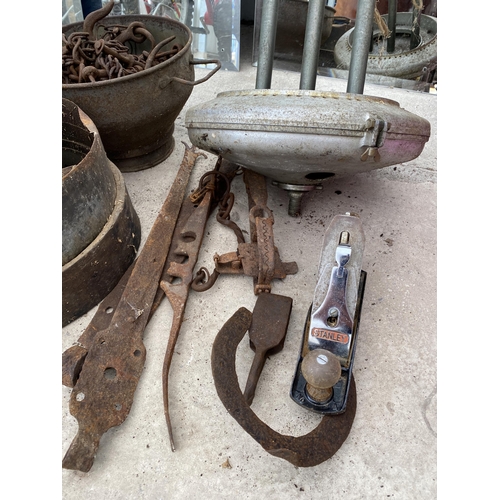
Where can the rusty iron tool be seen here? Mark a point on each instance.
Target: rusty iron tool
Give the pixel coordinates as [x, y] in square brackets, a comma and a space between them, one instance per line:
[104, 392]
[260, 257]
[267, 333]
[177, 289]
[74, 356]
[256, 188]
[261, 229]
[188, 236]
[94, 17]
[303, 451]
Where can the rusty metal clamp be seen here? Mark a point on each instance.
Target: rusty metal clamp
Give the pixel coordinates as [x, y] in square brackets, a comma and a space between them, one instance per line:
[303, 451]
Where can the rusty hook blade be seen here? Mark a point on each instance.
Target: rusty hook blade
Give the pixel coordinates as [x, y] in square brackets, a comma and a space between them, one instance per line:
[155, 50]
[203, 280]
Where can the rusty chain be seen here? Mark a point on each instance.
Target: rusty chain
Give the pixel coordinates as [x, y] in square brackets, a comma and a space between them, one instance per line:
[86, 59]
[203, 279]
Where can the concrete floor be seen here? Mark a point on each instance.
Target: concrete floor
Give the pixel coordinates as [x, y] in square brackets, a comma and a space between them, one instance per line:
[391, 449]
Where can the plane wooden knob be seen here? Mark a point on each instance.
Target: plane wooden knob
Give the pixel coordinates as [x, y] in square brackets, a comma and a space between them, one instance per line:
[322, 370]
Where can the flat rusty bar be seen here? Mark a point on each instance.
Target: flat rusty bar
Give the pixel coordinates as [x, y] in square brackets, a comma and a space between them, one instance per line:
[103, 394]
[187, 246]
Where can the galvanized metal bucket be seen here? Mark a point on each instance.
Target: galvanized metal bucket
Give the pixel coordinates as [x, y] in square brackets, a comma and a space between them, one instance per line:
[135, 114]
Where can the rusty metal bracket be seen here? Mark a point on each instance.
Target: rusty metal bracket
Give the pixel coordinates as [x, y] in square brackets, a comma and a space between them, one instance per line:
[177, 287]
[186, 243]
[304, 451]
[103, 393]
[74, 357]
[258, 258]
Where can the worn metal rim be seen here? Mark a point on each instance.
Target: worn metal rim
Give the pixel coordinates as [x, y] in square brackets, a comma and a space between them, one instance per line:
[121, 197]
[404, 26]
[150, 159]
[89, 188]
[320, 94]
[407, 64]
[75, 304]
[304, 137]
[140, 74]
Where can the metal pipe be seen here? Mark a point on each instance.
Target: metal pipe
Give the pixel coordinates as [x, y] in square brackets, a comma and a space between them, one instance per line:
[360, 46]
[391, 24]
[415, 28]
[267, 40]
[312, 43]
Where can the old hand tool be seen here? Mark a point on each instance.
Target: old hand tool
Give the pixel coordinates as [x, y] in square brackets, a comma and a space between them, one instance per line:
[259, 258]
[74, 356]
[303, 451]
[183, 255]
[177, 289]
[267, 334]
[104, 392]
[267, 327]
[324, 367]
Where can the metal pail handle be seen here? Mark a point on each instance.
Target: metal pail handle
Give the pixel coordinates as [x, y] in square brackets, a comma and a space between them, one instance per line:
[199, 61]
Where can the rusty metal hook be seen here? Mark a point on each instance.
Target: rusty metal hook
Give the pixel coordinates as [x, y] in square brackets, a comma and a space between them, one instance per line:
[132, 33]
[203, 280]
[156, 49]
[94, 17]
